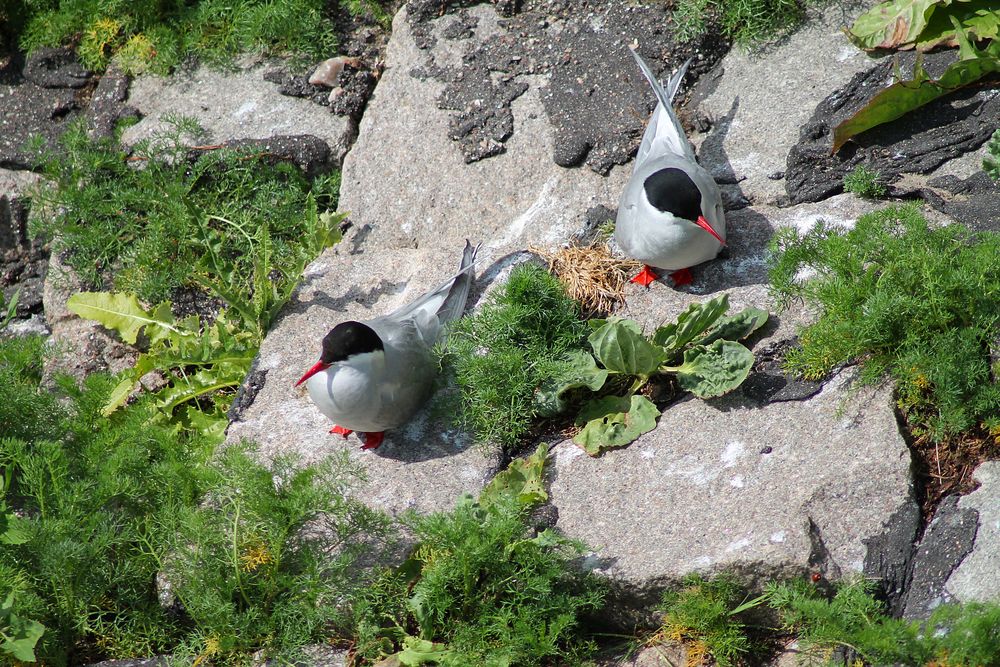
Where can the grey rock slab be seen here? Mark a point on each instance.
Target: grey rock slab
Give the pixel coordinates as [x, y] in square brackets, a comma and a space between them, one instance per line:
[722, 485]
[409, 185]
[426, 465]
[977, 578]
[947, 541]
[232, 105]
[759, 100]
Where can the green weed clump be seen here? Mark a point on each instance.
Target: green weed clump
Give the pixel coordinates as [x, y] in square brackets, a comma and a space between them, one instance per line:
[745, 21]
[918, 303]
[482, 589]
[157, 35]
[954, 635]
[155, 223]
[704, 615]
[864, 182]
[105, 503]
[517, 342]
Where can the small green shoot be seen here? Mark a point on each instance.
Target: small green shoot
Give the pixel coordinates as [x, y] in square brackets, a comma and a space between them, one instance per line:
[991, 163]
[865, 182]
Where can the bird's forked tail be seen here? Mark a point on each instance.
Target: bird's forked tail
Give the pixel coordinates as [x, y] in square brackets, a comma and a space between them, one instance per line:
[664, 131]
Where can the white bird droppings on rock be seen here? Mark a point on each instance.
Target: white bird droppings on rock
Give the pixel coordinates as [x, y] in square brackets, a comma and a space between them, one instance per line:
[732, 452]
[778, 537]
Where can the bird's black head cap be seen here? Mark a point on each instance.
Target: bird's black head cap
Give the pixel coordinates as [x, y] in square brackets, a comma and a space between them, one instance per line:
[672, 191]
[348, 339]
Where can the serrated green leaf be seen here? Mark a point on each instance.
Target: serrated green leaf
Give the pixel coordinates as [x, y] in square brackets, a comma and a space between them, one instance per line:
[621, 347]
[690, 324]
[523, 479]
[735, 327]
[205, 381]
[10, 530]
[614, 421]
[120, 312]
[715, 369]
[418, 651]
[582, 371]
[119, 395]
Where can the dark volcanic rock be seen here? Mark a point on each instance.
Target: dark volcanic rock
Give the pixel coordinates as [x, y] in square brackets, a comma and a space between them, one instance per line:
[308, 153]
[768, 382]
[948, 540]
[974, 201]
[916, 143]
[596, 97]
[55, 68]
[891, 553]
[107, 105]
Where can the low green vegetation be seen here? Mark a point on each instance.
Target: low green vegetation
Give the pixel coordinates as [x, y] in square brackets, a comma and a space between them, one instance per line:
[483, 588]
[514, 344]
[154, 223]
[902, 298]
[745, 21]
[156, 36]
[705, 616]
[523, 358]
[865, 182]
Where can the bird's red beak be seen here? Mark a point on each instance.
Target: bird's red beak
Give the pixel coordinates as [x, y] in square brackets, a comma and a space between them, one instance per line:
[704, 224]
[317, 367]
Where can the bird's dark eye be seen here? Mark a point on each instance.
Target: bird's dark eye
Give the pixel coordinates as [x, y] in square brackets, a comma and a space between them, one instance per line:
[671, 190]
[348, 339]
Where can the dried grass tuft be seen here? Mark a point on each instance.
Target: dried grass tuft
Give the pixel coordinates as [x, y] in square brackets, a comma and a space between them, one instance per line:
[592, 275]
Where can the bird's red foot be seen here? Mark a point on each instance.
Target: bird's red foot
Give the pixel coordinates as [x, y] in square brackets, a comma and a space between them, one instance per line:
[645, 277]
[682, 277]
[371, 440]
[340, 430]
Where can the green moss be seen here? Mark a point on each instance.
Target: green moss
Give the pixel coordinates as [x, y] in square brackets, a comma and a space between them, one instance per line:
[902, 298]
[502, 354]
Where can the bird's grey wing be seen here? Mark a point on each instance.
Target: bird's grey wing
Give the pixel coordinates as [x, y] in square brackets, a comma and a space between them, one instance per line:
[446, 301]
[409, 368]
[664, 133]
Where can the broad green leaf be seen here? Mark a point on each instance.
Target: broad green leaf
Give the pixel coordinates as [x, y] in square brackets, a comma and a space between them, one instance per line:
[980, 18]
[614, 421]
[690, 324]
[118, 311]
[905, 96]
[19, 635]
[715, 369]
[622, 348]
[10, 531]
[119, 395]
[421, 652]
[583, 371]
[735, 327]
[892, 24]
[523, 479]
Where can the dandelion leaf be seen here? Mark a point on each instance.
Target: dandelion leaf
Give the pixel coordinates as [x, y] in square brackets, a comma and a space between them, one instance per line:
[614, 421]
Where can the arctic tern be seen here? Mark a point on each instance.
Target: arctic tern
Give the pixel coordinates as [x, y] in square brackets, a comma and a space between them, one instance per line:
[372, 376]
[670, 212]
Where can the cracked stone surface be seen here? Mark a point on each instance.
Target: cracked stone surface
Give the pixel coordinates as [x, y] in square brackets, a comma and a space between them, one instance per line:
[575, 51]
[947, 541]
[977, 578]
[724, 485]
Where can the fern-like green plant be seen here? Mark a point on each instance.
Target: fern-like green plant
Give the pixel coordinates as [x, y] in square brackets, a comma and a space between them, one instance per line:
[902, 298]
